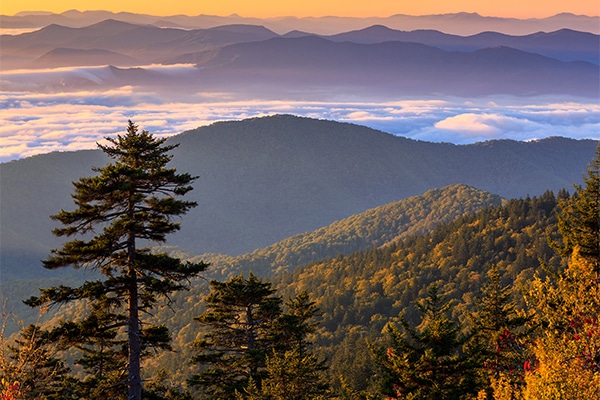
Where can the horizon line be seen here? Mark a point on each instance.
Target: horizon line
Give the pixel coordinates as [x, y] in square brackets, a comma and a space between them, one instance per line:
[43, 12]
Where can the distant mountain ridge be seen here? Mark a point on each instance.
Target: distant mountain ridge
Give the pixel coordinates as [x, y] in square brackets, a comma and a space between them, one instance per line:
[252, 60]
[458, 23]
[392, 67]
[265, 179]
[564, 44]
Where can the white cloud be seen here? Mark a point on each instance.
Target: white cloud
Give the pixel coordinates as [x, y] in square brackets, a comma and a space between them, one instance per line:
[38, 122]
[484, 125]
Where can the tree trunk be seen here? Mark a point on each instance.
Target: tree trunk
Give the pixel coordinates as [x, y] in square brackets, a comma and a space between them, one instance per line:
[135, 380]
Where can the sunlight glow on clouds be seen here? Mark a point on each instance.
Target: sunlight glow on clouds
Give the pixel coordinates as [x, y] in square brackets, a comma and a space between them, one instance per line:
[40, 122]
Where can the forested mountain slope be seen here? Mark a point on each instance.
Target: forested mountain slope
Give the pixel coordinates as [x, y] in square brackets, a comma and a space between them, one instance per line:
[373, 228]
[262, 180]
[360, 292]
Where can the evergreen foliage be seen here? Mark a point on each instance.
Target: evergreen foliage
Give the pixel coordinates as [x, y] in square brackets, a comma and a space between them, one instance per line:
[579, 218]
[502, 336]
[427, 362]
[129, 203]
[232, 353]
[252, 349]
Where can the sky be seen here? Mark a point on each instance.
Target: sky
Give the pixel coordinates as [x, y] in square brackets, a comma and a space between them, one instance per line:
[315, 8]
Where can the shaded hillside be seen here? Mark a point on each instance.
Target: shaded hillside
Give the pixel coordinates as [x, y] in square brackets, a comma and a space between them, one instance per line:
[375, 227]
[391, 67]
[262, 180]
[358, 294]
[564, 44]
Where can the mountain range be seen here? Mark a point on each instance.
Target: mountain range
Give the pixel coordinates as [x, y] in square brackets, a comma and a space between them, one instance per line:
[458, 23]
[265, 179]
[255, 60]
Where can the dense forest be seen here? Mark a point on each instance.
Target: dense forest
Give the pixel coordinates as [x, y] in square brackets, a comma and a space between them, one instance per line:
[450, 295]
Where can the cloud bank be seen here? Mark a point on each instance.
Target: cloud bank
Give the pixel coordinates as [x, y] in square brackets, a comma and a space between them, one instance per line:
[41, 121]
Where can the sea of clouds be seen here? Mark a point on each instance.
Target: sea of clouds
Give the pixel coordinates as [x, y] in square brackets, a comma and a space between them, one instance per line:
[36, 117]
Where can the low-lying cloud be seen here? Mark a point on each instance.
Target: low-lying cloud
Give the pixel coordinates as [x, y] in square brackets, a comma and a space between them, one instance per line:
[40, 121]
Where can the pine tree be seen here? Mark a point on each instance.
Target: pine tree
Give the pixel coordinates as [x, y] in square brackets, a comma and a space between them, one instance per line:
[428, 362]
[502, 337]
[291, 376]
[291, 330]
[579, 218]
[130, 202]
[232, 353]
[294, 372]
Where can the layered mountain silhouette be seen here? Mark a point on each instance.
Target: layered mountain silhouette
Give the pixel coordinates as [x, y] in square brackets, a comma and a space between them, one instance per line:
[146, 43]
[254, 60]
[265, 179]
[392, 67]
[563, 44]
[458, 23]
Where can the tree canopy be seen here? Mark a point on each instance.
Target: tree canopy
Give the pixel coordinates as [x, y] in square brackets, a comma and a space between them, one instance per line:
[129, 203]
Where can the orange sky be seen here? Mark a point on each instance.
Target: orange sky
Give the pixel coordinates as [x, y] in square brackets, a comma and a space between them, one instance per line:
[316, 8]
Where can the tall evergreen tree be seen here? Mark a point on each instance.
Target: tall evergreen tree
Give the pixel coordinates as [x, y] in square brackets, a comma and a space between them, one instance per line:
[502, 336]
[130, 203]
[294, 372]
[579, 218]
[291, 330]
[232, 353]
[427, 362]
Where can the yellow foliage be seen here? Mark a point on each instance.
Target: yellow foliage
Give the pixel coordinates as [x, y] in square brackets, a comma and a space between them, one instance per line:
[560, 376]
[568, 350]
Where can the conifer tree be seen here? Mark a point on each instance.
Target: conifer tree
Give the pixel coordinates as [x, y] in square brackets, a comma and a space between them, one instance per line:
[293, 371]
[428, 362]
[502, 337]
[130, 203]
[579, 218]
[233, 351]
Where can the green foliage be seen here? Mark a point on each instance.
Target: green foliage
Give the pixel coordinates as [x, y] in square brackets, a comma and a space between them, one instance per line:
[503, 338]
[130, 201]
[427, 362]
[239, 314]
[254, 350]
[294, 376]
[579, 218]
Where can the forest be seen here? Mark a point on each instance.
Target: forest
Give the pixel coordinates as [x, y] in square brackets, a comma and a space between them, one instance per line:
[456, 294]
